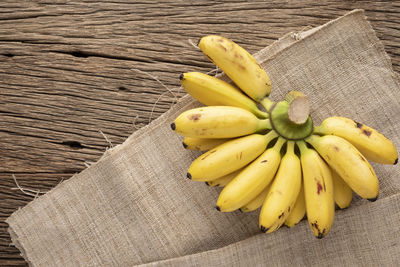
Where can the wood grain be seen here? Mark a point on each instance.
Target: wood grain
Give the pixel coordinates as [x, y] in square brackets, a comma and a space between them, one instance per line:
[72, 68]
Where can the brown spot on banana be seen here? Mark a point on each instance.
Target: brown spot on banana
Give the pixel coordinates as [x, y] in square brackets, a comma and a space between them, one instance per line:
[282, 214]
[222, 47]
[367, 132]
[319, 187]
[336, 148]
[358, 125]
[194, 117]
[264, 161]
[242, 67]
[237, 55]
[362, 158]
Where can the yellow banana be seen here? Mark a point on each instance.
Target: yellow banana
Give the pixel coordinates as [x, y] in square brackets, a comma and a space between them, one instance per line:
[251, 181]
[202, 144]
[229, 157]
[318, 191]
[218, 122]
[256, 202]
[342, 192]
[372, 144]
[283, 192]
[241, 67]
[212, 91]
[349, 163]
[224, 180]
[299, 210]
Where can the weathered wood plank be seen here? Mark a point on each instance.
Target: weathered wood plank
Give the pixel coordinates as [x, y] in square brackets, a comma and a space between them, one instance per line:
[72, 68]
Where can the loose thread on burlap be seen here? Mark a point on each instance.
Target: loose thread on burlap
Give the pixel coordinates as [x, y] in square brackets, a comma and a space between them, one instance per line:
[87, 164]
[134, 123]
[30, 192]
[193, 44]
[297, 35]
[107, 140]
[158, 99]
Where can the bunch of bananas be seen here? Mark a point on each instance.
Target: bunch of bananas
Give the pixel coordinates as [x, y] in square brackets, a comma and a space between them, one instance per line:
[274, 159]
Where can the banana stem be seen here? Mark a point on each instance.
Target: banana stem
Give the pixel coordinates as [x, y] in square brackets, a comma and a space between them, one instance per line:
[318, 130]
[299, 107]
[267, 103]
[312, 139]
[279, 143]
[290, 147]
[271, 135]
[302, 146]
[265, 125]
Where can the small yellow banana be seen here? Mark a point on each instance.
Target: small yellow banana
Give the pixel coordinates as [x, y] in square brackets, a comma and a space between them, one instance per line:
[224, 180]
[349, 163]
[229, 157]
[342, 192]
[212, 91]
[251, 181]
[218, 122]
[202, 144]
[318, 191]
[372, 144]
[299, 210]
[256, 202]
[241, 67]
[283, 192]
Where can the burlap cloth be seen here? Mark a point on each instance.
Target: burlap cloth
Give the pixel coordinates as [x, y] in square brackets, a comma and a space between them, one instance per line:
[135, 205]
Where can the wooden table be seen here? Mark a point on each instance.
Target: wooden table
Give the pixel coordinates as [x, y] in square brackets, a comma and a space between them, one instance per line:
[72, 70]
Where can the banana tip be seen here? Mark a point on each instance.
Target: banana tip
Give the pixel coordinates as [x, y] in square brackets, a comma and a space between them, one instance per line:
[395, 162]
[189, 176]
[184, 145]
[181, 77]
[217, 208]
[320, 236]
[263, 229]
[373, 199]
[207, 184]
[173, 126]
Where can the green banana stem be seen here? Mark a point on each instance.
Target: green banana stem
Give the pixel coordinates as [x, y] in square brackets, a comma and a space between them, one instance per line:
[280, 122]
[318, 129]
[290, 147]
[302, 146]
[264, 125]
[270, 136]
[267, 103]
[261, 114]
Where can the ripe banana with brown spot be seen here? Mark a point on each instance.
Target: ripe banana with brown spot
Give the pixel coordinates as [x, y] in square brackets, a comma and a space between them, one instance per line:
[212, 91]
[342, 192]
[241, 67]
[372, 144]
[202, 144]
[256, 202]
[299, 210]
[218, 122]
[283, 192]
[224, 180]
[349, 163]
[318, 191]
[229, 157]
[250, 182]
